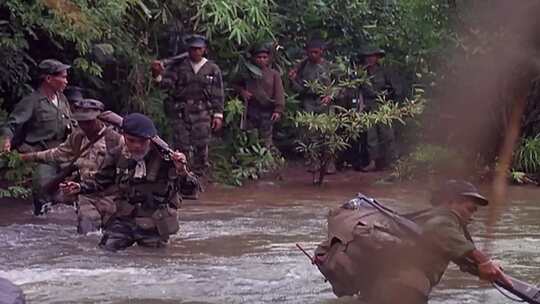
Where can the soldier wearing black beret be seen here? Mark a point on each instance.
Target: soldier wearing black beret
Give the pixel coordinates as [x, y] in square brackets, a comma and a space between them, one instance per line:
[150, 188]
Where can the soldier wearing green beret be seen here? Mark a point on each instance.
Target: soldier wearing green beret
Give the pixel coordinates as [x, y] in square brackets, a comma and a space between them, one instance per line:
[40, 121]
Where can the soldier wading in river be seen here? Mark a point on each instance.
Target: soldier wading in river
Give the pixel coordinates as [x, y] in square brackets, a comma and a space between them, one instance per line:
[149, 185]
[370, 253]
[86, 148]
[40, 121]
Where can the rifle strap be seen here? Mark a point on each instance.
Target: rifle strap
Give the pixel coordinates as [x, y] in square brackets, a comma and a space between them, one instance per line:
[89, 145]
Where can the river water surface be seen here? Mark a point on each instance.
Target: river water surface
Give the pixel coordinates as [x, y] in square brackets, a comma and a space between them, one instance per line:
[238, 246]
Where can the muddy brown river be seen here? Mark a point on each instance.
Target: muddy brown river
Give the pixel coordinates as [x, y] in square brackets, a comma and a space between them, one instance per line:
[238, 246]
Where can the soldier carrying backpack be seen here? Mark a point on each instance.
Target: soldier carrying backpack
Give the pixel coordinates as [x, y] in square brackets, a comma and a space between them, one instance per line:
[387, 258]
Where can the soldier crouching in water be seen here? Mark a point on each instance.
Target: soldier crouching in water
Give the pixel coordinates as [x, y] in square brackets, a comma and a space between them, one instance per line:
[149, 188]
[86, 147]
[195, 103]
[263, 95]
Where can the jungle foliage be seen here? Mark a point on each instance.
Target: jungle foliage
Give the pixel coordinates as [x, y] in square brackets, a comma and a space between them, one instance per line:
[111, 43]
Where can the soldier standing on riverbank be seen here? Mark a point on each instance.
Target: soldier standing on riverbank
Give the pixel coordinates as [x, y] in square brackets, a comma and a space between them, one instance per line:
[40, 121]
[87, 147]
[194, 106]
[380, 139]
[149, 188]
[263, 95]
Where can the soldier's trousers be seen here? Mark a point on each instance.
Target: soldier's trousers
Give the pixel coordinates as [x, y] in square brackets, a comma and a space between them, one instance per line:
[93, 211]
[262, 121]
[396, 293]
[381, 143]
[122, 232]
[42, 175]
[191, 135]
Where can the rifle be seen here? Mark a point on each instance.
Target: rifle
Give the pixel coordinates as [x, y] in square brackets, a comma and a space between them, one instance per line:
[52, 185]
[174, 59]
[525, 291]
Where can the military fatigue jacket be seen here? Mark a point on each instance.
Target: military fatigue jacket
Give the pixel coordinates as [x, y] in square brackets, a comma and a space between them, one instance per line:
[142, 186]
[185, 86]
[268, 93]
[444, 236]
[308, 71]
[382, 80]
[38, 121]
[90, 160]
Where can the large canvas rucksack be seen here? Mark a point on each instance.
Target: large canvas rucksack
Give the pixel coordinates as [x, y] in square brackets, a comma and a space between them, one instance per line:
[360, 239]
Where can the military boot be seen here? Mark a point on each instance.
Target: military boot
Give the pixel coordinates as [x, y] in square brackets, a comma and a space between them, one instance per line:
[370, 167]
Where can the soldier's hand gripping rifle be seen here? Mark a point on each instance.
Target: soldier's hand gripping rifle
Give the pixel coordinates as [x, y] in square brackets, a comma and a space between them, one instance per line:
[53, 185]
[526, 292]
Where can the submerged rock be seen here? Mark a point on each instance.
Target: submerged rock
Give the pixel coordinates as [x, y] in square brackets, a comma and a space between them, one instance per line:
[10, 293]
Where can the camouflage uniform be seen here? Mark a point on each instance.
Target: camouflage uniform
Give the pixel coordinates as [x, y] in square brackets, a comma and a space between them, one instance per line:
[36, 124]
[380, 139]
[308, 71]
[92, 210]
[142, 202]
[193, 99]
[268, 98]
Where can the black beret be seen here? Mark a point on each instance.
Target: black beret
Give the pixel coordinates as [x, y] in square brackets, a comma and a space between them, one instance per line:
[261, 48]
[139, 125]
[315, 44]
[197, 41]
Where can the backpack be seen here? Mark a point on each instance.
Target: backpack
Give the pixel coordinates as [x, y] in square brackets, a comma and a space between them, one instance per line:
[360, 240]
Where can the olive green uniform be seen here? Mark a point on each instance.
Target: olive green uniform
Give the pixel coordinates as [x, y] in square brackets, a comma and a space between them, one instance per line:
[148, 196]
[93, 210]
[194, 98]
[308, 71]
[411, 278]
[36, 124]
[268, 98]
[380, 139]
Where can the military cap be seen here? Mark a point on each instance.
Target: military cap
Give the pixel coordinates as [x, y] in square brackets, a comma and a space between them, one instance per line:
[261, 48]
[73, 94]
[197, 41]
[315, 44]
[87, 109]
[371, 50]
[139, 125]
[452, 189]
[52, 66]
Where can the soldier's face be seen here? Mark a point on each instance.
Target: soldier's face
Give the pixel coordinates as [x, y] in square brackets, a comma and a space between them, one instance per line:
[89, 127]
[57, 82]
[262, 59]
[372, 60]
[196, 53]
[314, 54]
[138, 147]
[465, 208]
